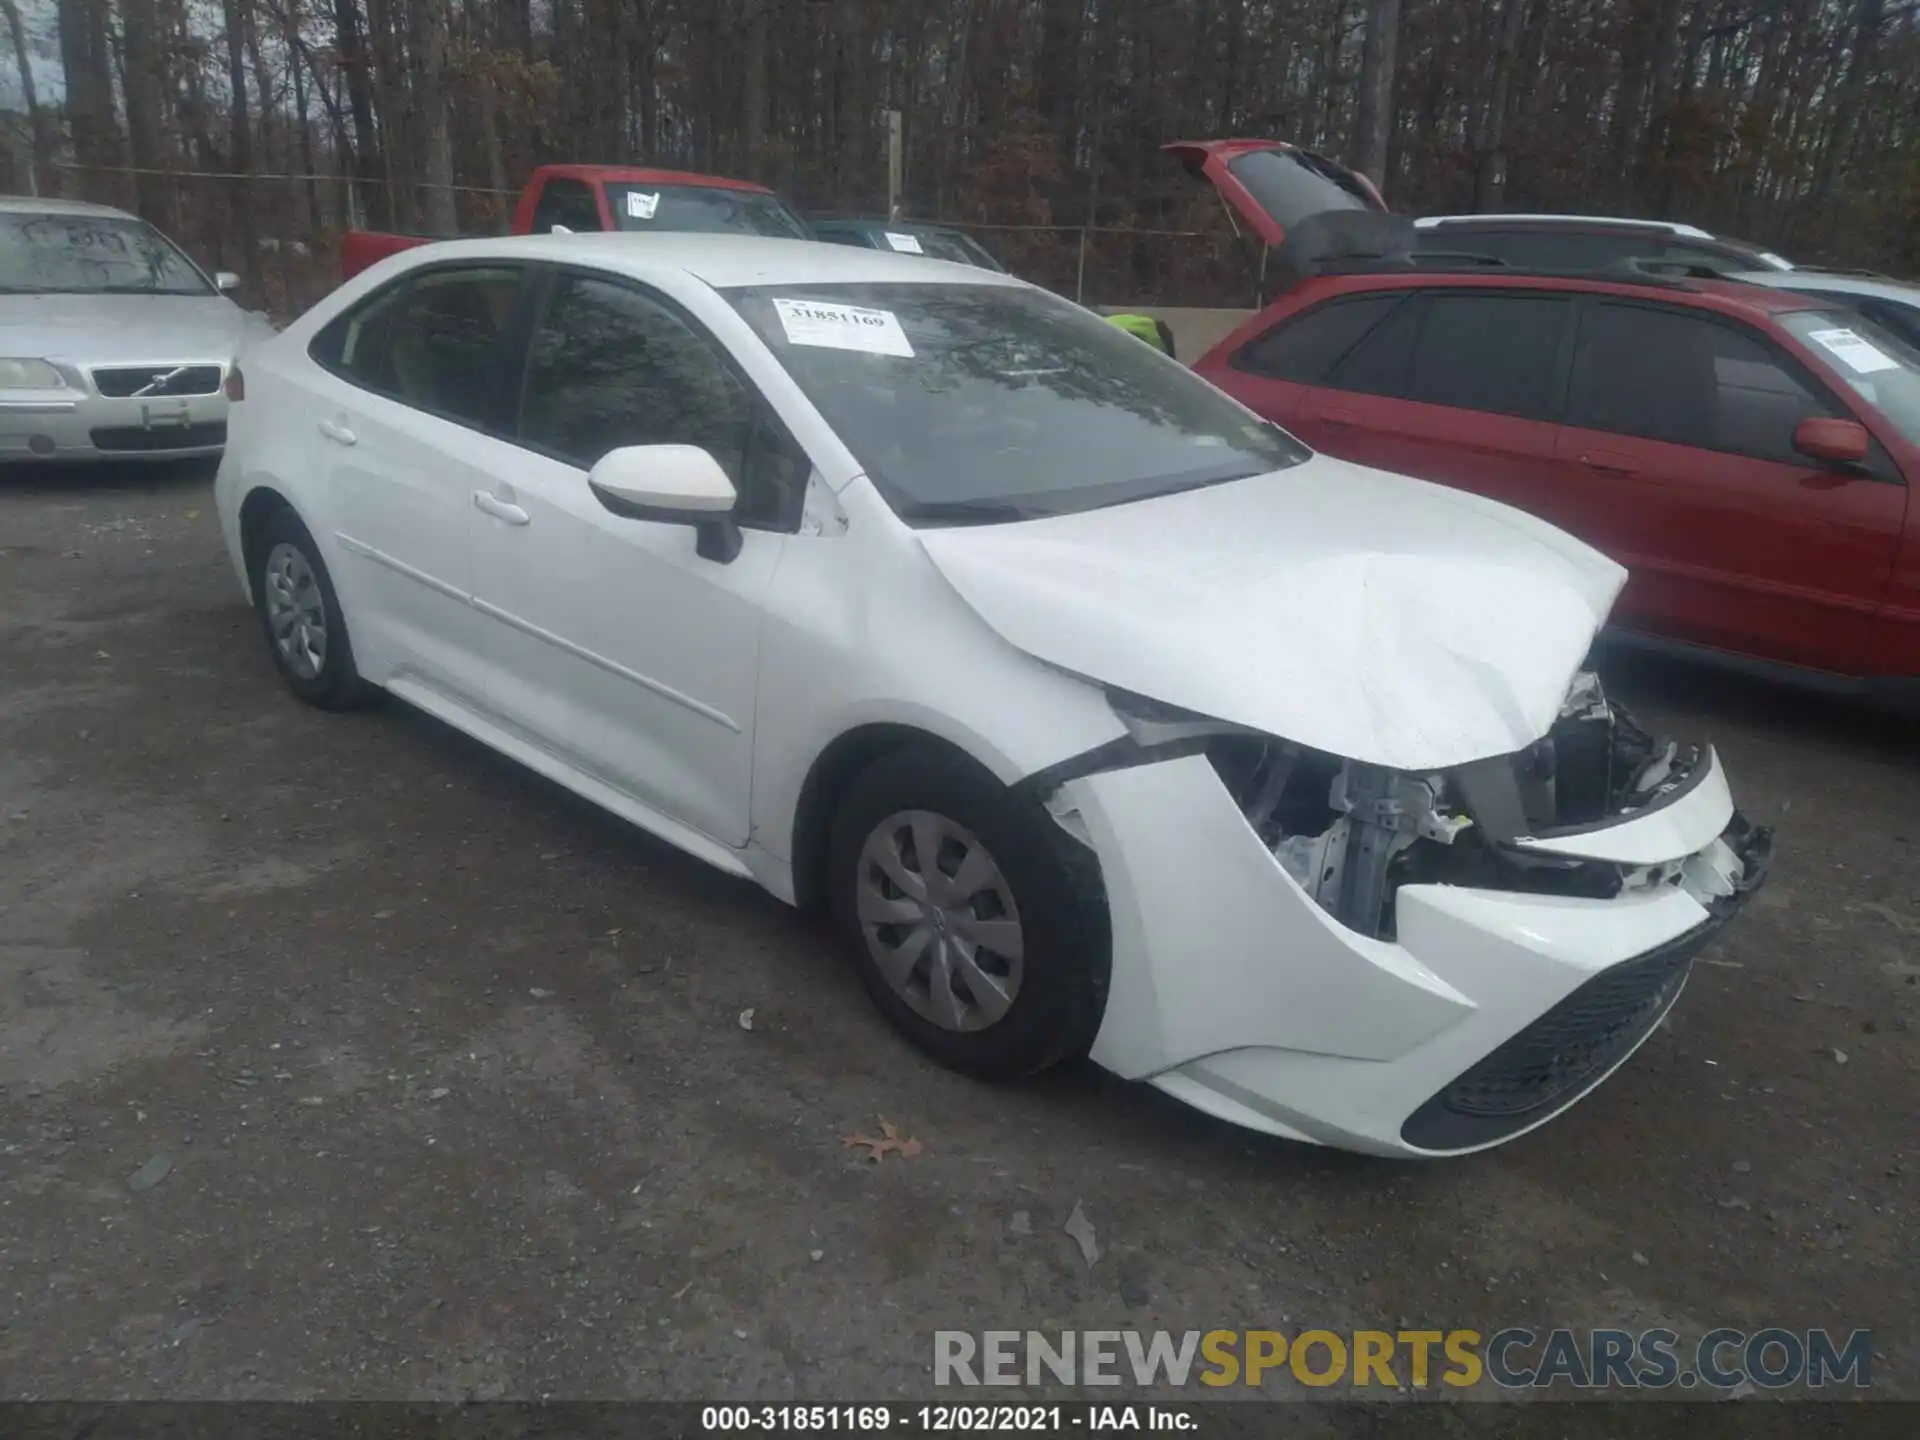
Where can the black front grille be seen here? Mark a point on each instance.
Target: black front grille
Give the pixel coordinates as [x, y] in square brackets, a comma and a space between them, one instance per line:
[161, 437]
[1556, 1057]
[121, 381]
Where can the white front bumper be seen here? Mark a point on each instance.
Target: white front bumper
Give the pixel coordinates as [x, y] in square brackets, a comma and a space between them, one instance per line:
[1234, 991]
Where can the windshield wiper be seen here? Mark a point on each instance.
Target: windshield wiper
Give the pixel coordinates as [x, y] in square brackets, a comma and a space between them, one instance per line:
[972, 512]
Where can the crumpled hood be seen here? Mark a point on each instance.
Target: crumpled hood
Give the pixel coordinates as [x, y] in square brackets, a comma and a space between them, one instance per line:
[127, 329]
[1376, 617]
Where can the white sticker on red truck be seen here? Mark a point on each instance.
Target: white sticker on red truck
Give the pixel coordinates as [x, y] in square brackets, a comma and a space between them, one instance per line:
[842, 327]
[640, 206]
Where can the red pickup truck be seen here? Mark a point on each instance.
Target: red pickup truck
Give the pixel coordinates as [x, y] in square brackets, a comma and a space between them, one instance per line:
[614, 197]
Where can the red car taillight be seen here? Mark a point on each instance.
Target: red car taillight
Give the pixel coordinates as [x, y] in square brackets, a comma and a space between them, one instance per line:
[236, 384]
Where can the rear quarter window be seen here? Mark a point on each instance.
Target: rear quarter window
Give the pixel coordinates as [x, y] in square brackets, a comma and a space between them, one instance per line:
[1304, 348]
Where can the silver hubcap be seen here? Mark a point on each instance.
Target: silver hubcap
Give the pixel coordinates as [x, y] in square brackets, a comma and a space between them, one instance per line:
[940, 920]
[295, 612]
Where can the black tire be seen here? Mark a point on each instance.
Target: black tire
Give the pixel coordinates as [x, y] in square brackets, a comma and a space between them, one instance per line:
[1055, 886]
[337, 685]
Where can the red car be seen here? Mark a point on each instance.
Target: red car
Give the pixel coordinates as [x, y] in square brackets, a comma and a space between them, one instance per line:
[613, 197]
[1747, 453]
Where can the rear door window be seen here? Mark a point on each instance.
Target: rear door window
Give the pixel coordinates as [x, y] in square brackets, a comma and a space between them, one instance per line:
[1660, 373]
[1305, 348]
[435, 341]
[1484, 350]
[1382, 363]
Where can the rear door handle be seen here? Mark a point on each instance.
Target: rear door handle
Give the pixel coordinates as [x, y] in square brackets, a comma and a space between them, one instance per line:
[1608, 462]
[336, 432]
[500, 509]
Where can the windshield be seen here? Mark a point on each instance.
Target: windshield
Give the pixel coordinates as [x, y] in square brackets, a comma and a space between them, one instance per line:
[1880, 368]
[705, 208]
[1290, 185]
[1000, 402]
[941, 245]
[91, 255]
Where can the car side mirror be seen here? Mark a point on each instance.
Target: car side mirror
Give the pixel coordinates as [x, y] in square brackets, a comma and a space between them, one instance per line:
[671, 485]
[226, 282]
[1838, 442]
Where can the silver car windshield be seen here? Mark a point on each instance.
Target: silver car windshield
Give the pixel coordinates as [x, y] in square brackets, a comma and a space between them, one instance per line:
[980, 403]
[1875, 364]
[56, 254]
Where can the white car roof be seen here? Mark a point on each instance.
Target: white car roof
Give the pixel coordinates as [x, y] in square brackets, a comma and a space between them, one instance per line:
[1899, 291]
[1692, 232]
[722, 261]
[33, 205]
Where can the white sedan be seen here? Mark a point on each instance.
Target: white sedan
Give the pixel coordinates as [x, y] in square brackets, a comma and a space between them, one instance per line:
[1106, 718]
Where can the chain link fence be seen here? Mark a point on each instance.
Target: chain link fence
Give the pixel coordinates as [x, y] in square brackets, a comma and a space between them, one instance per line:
[281, 233]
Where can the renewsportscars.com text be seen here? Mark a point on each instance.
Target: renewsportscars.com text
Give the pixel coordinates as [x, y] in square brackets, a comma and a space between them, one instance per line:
[1514, 1358]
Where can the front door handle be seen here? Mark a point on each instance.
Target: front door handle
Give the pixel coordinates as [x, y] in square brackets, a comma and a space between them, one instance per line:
[1608, 462]
[500, 509]
[336, 432]
[1340, 415]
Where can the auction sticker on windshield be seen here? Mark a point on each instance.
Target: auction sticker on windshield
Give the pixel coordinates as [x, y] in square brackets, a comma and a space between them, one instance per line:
[842, 327]
[1858, 355]
[905, 244]
[642, 207]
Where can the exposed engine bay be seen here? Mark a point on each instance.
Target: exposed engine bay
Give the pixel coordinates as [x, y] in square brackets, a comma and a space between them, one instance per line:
[1350, 834]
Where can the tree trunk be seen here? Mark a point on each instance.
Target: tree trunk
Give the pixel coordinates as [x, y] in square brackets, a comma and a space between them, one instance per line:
[1490, 156]
[140, 57]
[396, 134]
[1375, 121]
[350, 45]
[1056, 73]
[297, 72]
[429, 22]
[242, 205]
[1661, 86]
[1846, 106]
[40, 148]
[755, 128]
[87, 60]
[1636, 61]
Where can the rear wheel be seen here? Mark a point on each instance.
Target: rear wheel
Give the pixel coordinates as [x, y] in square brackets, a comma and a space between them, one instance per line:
[300, 616]
[972, 925]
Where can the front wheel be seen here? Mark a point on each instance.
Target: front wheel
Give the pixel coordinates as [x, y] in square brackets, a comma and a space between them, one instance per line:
[300, 617]
[976, 930]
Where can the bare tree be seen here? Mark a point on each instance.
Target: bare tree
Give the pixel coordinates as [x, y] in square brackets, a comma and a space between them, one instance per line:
[1375, 123]
[429, 19]
[39, 140]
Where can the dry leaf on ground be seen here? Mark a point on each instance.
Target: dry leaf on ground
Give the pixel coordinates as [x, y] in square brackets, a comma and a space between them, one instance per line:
[888, 1142]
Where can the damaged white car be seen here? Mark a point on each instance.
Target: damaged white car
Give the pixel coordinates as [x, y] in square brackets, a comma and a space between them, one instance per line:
[1106, 718]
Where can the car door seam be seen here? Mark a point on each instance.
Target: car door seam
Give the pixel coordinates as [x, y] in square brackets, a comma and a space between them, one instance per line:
[612, 667]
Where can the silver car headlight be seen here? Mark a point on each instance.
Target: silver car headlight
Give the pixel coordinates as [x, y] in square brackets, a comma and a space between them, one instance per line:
[25, 374]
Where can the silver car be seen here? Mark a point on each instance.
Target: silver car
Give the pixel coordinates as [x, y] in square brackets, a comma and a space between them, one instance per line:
[113, 344]
[1893, 304]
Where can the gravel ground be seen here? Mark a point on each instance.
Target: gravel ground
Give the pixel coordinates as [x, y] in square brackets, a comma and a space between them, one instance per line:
[340, 1058]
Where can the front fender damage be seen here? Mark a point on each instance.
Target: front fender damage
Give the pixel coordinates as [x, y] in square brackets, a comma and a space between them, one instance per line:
[1596, 808]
